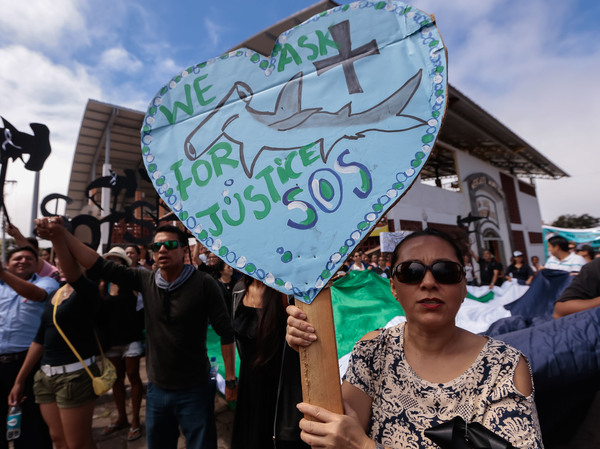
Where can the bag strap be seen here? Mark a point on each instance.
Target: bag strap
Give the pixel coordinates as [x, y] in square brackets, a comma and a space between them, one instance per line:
[57, 296]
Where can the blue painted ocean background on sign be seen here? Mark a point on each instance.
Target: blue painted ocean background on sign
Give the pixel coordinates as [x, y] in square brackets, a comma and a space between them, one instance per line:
[282, 165]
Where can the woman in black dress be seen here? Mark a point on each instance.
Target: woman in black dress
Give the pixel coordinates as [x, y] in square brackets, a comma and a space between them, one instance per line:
[259, 322]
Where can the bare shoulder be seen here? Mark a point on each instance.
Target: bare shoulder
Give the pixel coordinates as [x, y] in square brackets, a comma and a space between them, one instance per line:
[371, 335]
[522, 377]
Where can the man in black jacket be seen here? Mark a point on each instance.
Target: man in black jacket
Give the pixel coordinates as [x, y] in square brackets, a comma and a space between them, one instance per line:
[179, 302]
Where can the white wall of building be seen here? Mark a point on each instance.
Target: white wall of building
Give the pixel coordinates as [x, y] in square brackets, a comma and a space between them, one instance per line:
[429, 204]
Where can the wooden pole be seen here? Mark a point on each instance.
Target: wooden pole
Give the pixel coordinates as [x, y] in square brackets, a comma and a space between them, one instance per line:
[319, 361]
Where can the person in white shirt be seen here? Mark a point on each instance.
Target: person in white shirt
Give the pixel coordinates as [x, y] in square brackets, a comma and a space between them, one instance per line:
[561, 258]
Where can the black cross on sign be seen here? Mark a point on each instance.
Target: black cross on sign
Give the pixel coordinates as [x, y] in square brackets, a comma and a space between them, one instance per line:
[347, 57]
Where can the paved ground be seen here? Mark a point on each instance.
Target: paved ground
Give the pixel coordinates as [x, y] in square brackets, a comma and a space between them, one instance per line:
[105, 412]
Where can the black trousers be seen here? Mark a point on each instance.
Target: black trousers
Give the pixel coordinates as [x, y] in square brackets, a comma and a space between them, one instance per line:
[34, 432]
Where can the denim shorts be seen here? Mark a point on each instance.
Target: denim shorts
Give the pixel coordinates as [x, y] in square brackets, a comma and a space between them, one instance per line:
[133, 349]
[67, 390]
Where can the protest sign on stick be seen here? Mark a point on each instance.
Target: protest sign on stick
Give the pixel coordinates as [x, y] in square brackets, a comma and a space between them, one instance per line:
[15, 145]
[281, 165]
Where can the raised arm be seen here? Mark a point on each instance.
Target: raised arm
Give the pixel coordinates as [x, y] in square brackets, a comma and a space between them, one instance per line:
[56, 232]
[24, 288]
[83, 254]
[16, 234]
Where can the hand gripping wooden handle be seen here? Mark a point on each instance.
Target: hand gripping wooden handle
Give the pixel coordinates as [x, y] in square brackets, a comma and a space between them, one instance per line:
[319, 361]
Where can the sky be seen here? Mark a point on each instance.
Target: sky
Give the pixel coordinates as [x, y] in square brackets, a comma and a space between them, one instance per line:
[532, 65]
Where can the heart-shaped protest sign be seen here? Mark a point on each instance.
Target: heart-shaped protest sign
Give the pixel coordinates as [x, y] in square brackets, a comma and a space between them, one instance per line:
[281, 166]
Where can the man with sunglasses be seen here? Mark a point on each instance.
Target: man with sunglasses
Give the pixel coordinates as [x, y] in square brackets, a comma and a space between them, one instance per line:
[179, 302]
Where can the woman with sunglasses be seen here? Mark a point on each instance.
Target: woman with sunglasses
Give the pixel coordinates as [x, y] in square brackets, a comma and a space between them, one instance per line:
[403, 380]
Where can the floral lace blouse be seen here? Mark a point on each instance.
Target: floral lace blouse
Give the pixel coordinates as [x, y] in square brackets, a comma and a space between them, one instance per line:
[404, 405]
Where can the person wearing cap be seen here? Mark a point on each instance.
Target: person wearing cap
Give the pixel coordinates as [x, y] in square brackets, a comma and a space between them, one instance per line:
[519, 270]
[585, 251]
[120, 321]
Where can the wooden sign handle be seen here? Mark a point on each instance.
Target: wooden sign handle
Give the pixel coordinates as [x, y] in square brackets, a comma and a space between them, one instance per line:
[319, 361]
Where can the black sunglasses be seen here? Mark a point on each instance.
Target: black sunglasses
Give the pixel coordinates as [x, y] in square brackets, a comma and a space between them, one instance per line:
[444, 271]
[169, 244]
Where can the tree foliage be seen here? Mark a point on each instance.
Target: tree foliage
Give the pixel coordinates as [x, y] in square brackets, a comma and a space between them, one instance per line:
[576, 221]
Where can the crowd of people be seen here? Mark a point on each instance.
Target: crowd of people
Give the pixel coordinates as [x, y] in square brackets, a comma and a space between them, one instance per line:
[159, 308]
[400, 381]
[563, 255]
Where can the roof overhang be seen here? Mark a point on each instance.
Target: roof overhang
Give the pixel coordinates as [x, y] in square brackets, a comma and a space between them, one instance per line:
[119, 126]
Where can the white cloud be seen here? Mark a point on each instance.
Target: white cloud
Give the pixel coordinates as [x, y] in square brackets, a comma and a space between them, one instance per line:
[528, 67]
[119, 59]
[214, 31]
[37, 22]
[34, 89]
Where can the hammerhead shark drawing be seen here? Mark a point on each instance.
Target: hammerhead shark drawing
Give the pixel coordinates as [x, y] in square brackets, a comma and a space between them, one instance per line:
[290, 127]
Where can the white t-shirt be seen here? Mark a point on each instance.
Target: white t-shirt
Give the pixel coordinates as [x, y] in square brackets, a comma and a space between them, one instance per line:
[572, 263]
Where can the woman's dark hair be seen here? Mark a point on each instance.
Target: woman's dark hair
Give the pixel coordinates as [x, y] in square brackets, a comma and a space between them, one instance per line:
[270, 332]
[431, 233]
[219, 266]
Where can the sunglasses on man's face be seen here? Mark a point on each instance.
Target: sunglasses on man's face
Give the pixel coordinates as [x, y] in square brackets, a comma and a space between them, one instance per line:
[169, 244]
[444, 271]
